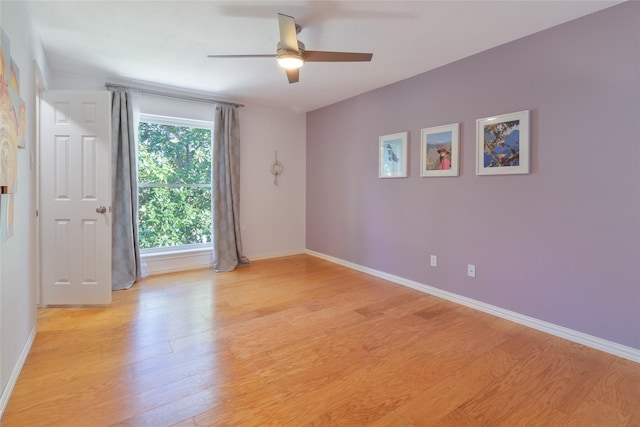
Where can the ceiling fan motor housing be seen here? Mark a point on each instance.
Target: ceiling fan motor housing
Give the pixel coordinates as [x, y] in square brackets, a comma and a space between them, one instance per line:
[288, 58]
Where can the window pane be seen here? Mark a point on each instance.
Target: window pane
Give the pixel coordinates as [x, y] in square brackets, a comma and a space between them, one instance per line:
[173, 216]
[173, 154]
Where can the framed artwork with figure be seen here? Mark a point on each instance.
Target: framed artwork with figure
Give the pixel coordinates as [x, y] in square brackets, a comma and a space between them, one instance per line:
[439, 150]
[392, 156]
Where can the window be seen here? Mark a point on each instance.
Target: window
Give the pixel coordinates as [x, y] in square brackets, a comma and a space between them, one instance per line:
[174, 183]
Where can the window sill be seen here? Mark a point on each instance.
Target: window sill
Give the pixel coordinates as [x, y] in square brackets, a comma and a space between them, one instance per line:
[153, 253]
[178, 260]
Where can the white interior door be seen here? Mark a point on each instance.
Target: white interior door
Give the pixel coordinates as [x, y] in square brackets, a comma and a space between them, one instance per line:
[75, 197]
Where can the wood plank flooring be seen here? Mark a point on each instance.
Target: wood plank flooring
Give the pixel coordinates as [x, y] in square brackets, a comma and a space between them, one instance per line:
[299, 341]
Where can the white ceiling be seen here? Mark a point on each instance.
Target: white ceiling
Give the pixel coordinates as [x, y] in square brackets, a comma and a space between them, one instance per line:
[167, 42]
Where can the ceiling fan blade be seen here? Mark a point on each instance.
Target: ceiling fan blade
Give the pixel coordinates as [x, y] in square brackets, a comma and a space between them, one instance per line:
[242, 56]
[321, 56]
[288, 33]
[293, 74]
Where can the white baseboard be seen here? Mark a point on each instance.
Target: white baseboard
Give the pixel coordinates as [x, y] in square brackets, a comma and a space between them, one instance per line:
[15, 373]
[550, 328]
[275, 255]
[162, 263]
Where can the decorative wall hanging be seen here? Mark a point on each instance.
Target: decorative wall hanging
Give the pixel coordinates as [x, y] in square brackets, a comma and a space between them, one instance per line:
[439, 150]
[276, 169]
[502, 144]
[12, 132]
[392, 157]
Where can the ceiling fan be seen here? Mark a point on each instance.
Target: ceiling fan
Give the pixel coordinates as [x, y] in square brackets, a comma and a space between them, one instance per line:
[292, 54]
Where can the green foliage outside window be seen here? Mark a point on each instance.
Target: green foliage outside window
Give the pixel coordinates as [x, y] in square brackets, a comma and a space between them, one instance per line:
[174, 194]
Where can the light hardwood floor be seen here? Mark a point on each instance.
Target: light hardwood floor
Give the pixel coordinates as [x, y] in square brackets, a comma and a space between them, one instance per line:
[299, 341]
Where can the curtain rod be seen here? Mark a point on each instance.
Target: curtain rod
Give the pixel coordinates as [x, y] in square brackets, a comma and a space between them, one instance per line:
[168, 95]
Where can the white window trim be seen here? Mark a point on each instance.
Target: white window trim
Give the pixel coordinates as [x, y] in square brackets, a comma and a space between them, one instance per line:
[182, 249]
[183, 122]
[176, 121]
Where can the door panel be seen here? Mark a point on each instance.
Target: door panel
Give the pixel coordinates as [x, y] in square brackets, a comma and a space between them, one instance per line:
[75, 176]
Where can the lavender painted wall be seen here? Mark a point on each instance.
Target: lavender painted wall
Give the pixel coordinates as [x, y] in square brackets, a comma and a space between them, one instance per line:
[561, 244]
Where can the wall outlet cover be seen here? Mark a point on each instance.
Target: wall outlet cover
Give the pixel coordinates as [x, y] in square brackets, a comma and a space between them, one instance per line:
[471, 270]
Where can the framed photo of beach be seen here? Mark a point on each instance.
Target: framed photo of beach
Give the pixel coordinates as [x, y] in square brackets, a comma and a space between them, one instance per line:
[392, 157]
[439, 150]
[502, 144]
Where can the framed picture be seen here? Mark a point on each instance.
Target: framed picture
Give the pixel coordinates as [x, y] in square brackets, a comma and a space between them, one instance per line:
[439, 150]
[393, 155]
[502, 145]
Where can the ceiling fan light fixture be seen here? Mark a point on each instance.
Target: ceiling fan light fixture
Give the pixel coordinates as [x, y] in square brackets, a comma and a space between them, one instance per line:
[290, 61]
[292, 54]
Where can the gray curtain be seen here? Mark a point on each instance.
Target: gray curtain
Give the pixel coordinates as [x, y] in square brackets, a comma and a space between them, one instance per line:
[125, 254]
[225, 182]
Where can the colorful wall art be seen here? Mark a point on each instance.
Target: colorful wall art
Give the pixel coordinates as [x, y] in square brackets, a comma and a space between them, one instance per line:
[12, 132]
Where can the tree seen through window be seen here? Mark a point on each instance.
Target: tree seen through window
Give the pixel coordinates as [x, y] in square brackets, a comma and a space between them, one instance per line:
[174, 185]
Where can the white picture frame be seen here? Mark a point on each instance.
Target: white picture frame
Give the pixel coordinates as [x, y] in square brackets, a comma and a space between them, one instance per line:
[502, 144]
[440, 150]
[392, 155]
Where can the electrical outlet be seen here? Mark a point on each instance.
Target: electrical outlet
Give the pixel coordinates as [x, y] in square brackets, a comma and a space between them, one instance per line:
[471, 270]
[434, 261]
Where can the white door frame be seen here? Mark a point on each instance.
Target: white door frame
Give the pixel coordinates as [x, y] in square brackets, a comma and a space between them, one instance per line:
[40, 86]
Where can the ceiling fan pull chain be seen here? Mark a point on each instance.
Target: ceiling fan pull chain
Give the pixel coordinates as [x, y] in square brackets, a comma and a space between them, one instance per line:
[276, 169]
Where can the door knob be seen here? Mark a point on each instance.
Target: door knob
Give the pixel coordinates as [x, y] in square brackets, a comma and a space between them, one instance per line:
[101, 209]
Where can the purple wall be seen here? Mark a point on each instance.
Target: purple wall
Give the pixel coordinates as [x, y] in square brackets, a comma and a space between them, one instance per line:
[561, 244]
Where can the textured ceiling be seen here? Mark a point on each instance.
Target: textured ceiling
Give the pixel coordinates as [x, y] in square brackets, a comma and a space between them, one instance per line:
[167, 42]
